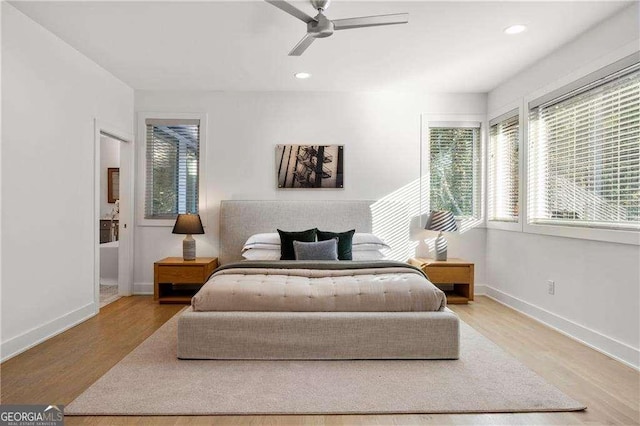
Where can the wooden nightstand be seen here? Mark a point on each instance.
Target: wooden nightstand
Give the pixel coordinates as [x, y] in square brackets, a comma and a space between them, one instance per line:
[458, 272]
[177, 280]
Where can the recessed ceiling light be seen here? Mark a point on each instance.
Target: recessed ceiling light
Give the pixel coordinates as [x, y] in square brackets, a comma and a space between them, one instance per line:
[515, 29]
[302, 75]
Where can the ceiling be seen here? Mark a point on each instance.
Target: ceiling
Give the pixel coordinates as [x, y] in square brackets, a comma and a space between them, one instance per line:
[243, 45]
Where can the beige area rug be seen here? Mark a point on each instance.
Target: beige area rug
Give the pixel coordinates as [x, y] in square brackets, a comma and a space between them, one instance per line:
[152, 381]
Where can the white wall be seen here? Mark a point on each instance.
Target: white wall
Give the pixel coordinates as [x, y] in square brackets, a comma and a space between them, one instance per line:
[597, 296]
[109, 157]
[1, 9]
[51, 95]
[380, 131]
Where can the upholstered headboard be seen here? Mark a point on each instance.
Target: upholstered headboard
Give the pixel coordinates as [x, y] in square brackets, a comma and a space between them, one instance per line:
[241, 219]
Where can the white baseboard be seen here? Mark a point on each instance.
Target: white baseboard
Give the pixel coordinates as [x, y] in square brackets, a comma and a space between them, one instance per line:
[142, 289]
[611, 347]
[17, 345]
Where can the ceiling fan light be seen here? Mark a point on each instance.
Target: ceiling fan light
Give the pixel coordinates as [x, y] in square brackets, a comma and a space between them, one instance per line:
[302, 75]
[515, 29]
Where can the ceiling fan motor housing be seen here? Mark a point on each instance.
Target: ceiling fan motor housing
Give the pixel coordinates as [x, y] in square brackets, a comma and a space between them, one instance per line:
[321, 27]
[320, 4]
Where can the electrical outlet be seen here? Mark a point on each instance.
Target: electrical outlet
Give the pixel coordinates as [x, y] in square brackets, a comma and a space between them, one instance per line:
[551, 287]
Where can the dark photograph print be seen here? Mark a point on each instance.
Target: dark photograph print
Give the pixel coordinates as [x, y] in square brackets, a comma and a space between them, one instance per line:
[310, 166]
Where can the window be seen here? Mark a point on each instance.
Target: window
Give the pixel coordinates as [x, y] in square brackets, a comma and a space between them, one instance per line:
[503, 168]
[454, 154]
[172, 167]
[584, 154]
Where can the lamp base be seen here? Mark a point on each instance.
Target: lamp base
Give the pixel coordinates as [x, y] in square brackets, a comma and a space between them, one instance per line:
[441, 248]
[189, 248]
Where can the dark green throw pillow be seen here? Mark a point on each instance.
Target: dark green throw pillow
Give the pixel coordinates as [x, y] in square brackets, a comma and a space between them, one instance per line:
[287, 239]
[345, 241]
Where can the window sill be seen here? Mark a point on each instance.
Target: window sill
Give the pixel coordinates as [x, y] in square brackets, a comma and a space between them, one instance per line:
[164, 223]
[504, 225]
[157, 222]
[594, 234]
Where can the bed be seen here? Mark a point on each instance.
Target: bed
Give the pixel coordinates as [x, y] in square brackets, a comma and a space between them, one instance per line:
[314, 309]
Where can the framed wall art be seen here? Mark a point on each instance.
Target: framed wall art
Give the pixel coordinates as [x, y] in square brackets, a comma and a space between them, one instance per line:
[113, 184]
[310, 166]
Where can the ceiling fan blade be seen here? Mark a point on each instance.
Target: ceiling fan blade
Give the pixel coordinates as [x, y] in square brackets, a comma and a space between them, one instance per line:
[302, 45]
[291, 10]
[370, 21]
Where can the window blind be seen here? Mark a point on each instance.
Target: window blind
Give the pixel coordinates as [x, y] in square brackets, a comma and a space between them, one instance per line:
[504, 168]
[454, 154]
[584, 155]
[172, 168]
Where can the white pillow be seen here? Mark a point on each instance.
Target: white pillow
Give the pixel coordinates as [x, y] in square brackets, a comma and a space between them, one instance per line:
[266, 238]
[265, 241]
[261, 254]
[267, 254]
[261, 246]
[362, 238]
[369, 247]
[271, 241]
[367, 255]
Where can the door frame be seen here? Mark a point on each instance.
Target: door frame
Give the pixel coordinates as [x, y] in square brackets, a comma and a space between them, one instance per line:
[126, 224]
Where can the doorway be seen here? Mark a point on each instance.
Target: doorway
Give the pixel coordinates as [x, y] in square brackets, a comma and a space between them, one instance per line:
[109, 218]
[113, 265]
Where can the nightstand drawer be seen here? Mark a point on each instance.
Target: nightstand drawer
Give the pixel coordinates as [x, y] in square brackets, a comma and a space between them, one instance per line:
[181, 274]
[448, 274]
[173, 273]
[455, 274]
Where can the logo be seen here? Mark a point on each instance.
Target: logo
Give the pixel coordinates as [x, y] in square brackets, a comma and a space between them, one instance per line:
[31, 415]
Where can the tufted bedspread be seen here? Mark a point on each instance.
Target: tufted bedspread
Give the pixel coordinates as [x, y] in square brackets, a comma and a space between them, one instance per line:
[320, 287]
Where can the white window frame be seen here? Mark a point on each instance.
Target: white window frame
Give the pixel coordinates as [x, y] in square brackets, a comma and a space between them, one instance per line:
[455, 120]
[596, 234]
[497, 224]
[142, 166]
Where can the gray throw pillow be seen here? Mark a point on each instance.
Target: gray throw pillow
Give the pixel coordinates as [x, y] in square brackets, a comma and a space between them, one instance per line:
[321, 250]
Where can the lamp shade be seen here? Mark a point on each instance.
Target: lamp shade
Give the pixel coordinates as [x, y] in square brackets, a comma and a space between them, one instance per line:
[188, 224]
[442, 221]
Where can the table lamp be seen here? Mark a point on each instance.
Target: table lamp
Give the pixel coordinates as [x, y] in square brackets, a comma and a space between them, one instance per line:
[442, 221]
[188, 224]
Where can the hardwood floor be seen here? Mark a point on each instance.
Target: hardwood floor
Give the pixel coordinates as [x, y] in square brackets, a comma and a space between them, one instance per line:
[58, 370]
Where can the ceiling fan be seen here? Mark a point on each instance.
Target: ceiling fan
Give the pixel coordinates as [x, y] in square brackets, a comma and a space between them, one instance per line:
[320, 26]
